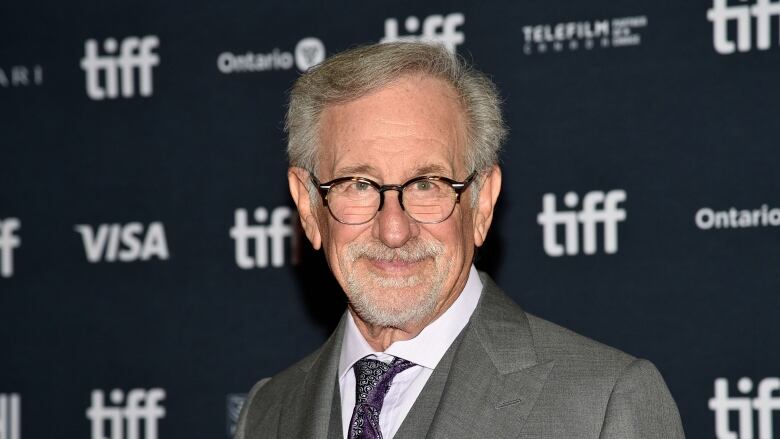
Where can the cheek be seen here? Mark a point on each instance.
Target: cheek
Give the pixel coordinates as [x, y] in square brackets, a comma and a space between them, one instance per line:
[339, 236]
[451, 235]
[461, 235]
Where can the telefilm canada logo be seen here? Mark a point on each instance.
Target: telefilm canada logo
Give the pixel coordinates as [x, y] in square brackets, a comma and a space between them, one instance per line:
[746, 408]
[18, 76]
[571, 36]
[124, 67]
[436, 28]
[598, 209]
[10, 416]
[9, 242]
[737, 26]
[308, 52]
[263, 243]
[134, 415]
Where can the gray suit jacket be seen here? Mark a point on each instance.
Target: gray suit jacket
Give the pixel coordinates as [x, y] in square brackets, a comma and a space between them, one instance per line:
[508, 375]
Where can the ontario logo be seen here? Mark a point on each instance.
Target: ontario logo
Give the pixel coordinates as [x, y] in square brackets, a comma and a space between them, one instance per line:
[308, 52]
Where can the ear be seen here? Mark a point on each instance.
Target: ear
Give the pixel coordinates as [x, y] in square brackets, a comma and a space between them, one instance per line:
[298, 179]
[488, 195]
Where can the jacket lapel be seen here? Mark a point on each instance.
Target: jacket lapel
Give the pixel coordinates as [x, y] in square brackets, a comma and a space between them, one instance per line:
[418, 420]
[495, 378]
[309, 413]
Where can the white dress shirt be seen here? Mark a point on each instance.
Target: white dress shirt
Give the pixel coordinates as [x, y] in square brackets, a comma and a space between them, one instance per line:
[425, 350]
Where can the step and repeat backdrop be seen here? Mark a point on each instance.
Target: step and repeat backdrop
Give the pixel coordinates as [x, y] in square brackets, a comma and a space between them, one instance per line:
[151, 265]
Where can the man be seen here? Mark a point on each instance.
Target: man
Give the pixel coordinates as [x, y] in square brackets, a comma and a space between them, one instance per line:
[393, 167]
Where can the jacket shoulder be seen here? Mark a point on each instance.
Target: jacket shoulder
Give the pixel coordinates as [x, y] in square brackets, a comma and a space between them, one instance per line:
[566, 347]
[623, 396]
[267, 397]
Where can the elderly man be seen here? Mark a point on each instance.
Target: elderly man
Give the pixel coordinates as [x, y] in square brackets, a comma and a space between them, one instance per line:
[393, 167]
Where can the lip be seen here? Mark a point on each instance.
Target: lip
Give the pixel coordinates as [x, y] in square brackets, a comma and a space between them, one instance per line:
[394, 266]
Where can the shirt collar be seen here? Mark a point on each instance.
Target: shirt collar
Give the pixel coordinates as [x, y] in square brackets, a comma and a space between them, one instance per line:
[429, 346]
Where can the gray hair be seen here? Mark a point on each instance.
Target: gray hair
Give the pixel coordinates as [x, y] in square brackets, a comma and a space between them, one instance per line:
[357, 72]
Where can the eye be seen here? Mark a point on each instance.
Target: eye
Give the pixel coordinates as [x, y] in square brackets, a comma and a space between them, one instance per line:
[423, 185]
[361, 186]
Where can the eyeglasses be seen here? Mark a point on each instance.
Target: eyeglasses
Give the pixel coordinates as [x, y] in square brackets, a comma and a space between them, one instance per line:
[426, 199]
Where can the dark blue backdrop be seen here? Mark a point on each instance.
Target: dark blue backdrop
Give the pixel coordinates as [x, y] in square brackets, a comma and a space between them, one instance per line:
[146, 241]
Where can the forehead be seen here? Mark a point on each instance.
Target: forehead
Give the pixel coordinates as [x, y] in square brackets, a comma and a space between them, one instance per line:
[413, 124]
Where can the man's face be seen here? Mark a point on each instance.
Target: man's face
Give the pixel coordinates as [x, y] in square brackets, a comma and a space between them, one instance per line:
[395, 271]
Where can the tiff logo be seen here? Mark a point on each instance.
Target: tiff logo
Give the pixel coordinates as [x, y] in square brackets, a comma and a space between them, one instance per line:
[103, 72]
[262, 234]
[765, 404]
[125, 419]
[9, 240]
[123, 242]
[597, 208]
[442, 29]
[10, 416]
[721, 14]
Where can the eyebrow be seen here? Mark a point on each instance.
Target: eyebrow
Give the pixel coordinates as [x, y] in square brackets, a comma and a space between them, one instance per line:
[426, 169]
[356, 170]
[431, 169]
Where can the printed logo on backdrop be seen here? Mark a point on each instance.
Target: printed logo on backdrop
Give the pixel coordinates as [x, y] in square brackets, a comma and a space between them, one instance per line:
[733, 218]
[125, 66]
[746, 409]
[21, 76]
[583, 35]
[442, 29]
[123, 242]
[233, 406]
[308, 52]
[263, 243]
[10, 416]
[750, 23]
[128, 415]
[598, 209]
[9, 241]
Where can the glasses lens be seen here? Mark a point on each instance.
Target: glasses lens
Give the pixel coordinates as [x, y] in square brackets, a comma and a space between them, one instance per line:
[353, 202]
[429, 200]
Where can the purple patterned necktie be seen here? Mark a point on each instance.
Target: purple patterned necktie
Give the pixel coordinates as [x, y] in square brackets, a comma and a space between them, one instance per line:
[372, 381]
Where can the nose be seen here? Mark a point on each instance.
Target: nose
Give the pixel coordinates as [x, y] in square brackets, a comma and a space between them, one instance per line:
[392, 225]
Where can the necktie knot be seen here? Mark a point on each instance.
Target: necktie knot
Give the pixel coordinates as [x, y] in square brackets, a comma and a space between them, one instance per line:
[372, 381]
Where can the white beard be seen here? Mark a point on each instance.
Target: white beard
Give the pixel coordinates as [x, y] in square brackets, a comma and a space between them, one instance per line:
[380, 300]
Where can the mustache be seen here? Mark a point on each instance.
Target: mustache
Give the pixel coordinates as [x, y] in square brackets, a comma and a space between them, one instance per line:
[413, 251]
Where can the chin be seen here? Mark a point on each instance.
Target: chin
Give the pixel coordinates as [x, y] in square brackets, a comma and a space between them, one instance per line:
[395, 287]
[394, 301]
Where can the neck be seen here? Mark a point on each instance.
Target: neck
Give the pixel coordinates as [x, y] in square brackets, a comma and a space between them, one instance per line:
[381, 337]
